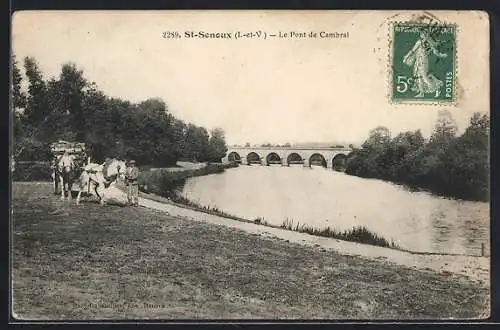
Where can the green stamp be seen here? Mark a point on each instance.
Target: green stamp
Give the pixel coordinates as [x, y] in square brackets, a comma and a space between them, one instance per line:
[423, 62]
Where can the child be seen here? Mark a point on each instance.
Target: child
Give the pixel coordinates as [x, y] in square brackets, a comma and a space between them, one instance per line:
[131, 179]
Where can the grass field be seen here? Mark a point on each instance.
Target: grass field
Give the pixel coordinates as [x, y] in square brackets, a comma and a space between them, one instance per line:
[94, 262]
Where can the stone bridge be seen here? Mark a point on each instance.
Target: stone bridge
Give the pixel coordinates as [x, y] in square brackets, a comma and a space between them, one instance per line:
[327, 157]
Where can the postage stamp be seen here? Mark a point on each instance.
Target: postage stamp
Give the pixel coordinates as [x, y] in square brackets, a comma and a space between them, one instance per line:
[423, 62]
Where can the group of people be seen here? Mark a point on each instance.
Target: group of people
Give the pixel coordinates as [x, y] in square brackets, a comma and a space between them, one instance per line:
[131, 173]
[131, 180]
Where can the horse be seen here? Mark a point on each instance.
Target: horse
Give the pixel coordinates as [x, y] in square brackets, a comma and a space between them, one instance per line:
[100, 178]
[64, 174]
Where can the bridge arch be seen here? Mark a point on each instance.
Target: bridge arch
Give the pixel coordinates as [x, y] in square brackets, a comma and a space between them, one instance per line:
[273, 158]
[339, 162]
[294, 158]
[253, 158]
[234, 157]
[317, 159]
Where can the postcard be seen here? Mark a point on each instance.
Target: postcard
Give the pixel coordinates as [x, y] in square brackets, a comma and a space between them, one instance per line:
[250, 165]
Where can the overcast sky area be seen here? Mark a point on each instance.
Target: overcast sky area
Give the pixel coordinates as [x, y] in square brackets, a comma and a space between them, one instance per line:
[258, 91]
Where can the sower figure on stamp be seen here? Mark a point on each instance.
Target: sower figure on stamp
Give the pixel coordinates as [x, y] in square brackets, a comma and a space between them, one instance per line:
[131, 178]
[418, 58]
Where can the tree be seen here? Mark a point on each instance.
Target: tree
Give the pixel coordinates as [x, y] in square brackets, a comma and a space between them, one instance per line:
[444, 130]
[151, 141]
[18, 104]
[18, 96]
[196, 143]
[477, 134]
[469, 167]
[70, 89]
[247, 145]
[153, 105]
[217, 145]
[29, 112]
[403, 146]
[179, 129]
[438, 158]
[447, 164]
[95, 104]
[378, 137]
[57, 123]
[36, 102]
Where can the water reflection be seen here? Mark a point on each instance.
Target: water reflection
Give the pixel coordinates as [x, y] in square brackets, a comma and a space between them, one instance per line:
[320, 197]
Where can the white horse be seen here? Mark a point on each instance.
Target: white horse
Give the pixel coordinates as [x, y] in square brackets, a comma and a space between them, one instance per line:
[93, 178]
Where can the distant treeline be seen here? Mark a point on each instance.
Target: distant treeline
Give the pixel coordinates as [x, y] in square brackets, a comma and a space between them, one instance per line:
[446, 164]
[71, 108]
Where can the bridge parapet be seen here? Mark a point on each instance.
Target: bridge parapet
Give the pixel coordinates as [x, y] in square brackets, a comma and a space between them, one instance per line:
[327, 157]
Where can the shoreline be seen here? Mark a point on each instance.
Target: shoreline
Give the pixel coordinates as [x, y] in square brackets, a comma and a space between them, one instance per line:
[476, 268]
[175, 198]
[257, 221]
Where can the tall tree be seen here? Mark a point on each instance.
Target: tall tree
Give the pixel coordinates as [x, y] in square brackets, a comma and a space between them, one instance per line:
[18, 104]
[468, 164]
[36, 103]
[57, 123]
[30, 110]
[72, 84]
[217, 145]
[179, 129]
[196, 143]
[94, 125]
[403, 147]
[378, 137]
[18, 96]
[477, 134]
[444, 130]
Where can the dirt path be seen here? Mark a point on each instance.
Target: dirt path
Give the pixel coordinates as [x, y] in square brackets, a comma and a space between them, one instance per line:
[95, 262]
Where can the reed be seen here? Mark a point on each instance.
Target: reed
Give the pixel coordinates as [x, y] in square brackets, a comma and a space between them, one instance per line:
[359, 234]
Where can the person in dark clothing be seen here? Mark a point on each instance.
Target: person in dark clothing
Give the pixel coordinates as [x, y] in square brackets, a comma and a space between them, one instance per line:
[132, 182]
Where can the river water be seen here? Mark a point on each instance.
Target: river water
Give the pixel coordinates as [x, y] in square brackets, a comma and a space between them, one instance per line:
[320, 197]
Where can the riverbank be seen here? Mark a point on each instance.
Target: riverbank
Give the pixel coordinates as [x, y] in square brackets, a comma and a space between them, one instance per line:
[167, 181]
[474, 267]
[317, 198]
[89, 261]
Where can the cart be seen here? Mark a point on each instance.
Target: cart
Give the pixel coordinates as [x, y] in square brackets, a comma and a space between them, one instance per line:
[58, 148]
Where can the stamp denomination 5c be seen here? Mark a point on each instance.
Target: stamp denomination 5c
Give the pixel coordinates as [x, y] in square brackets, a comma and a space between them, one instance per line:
[423, 62]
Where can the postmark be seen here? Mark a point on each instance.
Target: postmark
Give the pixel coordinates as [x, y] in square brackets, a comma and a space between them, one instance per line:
[423, 62]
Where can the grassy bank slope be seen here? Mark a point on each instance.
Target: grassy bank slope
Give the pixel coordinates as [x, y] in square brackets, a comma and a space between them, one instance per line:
[88, 261]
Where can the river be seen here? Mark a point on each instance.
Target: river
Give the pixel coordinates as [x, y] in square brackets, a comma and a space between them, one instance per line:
[320, 197]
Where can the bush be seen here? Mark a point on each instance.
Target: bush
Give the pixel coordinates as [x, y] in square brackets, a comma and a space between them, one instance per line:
[32, 171]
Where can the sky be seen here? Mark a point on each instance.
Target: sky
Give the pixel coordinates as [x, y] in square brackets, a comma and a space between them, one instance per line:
[259, 91]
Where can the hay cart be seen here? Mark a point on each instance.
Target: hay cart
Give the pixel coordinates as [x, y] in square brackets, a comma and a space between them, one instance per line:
[58, 148]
